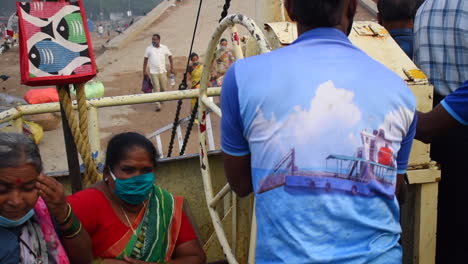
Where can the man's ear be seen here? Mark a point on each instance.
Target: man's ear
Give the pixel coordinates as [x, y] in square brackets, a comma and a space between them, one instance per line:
[289, 5]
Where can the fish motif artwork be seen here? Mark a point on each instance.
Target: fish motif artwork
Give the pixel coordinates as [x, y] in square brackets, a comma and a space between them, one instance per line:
[55, 45]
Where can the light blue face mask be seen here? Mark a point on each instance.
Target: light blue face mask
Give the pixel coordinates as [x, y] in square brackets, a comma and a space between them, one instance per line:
[134, 190]
[7, 223]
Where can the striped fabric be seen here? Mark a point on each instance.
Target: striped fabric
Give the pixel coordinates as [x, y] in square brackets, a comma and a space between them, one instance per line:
[441, 43]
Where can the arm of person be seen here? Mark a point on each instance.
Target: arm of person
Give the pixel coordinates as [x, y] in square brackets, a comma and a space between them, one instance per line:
[236, 152]
[402, 161]
[145, 66]
[145, 61]
[189, 75]
[171, 61]
[78, 247]
[450, 113]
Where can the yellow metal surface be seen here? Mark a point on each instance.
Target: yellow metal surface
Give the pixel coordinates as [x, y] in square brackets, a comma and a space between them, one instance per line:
[267, 11]
[182, 176]
[280, 34]
[425, 224]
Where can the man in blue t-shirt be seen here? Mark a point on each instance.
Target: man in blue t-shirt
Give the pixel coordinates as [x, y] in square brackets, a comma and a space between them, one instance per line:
[320, 142]
[452, 112]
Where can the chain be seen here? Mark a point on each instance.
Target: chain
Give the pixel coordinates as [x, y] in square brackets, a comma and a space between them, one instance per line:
[183, 85]
[226, 6]
[189, 128]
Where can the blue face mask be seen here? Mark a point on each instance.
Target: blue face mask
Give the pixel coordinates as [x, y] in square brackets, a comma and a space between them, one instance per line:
[134, 190]
[7, 223]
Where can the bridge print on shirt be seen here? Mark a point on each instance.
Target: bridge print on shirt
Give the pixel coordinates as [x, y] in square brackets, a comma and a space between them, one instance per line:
[370, 173]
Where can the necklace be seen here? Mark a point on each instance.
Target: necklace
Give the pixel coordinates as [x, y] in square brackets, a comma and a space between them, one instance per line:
[128, 219]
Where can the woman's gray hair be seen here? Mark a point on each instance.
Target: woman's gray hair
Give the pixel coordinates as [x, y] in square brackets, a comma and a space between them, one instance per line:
[17, 150]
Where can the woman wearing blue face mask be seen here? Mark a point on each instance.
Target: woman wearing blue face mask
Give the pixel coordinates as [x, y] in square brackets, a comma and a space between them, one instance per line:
[129, 218]
[32, 207]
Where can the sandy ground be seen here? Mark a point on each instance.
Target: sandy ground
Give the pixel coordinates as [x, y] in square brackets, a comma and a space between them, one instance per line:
[121, 73]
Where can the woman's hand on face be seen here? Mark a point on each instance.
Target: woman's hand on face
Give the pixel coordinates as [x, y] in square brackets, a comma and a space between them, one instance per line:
[54, 196]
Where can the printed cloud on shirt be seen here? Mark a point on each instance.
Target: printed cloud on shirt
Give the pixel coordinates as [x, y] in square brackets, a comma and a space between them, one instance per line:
[332, 110]
[397, 123]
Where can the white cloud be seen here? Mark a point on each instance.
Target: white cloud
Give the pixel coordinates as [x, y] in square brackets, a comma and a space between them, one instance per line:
[315, 133]
[397, 124]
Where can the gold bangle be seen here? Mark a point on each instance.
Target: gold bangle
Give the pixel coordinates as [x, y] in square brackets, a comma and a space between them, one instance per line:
[74, 234]
[68, 217]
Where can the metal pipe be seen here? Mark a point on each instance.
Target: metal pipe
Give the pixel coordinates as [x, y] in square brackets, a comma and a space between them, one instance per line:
[253, 237]
[220, 195]
[236, 43]
[234, 223]
[94, 137]
[212, 106]
[23, 110]
[264, 47]
[18, 125]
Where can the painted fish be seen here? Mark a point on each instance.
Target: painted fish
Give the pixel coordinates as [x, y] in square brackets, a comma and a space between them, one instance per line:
[72, 29]
[51, 57]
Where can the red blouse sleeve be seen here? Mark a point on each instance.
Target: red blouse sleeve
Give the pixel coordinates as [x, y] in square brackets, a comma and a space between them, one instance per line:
[84, 205]
[186, 232]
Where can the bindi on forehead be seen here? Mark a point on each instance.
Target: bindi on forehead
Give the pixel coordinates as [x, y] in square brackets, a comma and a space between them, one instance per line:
[19, 181]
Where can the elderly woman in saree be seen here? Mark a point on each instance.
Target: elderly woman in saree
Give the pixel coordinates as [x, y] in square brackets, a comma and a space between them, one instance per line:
[37, 225]
[223, 60]
[129, 218]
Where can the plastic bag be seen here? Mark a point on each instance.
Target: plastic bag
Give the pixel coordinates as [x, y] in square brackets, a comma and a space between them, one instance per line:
[8, 101]
[42, 96]
[93, 89]
[33, 130]
[147, 86]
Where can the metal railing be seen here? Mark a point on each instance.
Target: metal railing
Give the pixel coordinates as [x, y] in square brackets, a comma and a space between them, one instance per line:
[16, 114]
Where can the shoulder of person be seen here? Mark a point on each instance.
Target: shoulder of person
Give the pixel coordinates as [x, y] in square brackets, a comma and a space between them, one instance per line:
[93, 195]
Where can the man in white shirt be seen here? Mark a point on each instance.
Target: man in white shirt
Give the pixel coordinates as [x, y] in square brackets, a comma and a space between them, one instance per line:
[156, 56]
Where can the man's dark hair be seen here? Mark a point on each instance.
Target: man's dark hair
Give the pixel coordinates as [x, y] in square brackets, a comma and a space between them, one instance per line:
[193, 55]
[317, 13]
[157, 35]
[221, 40]
[395, 10]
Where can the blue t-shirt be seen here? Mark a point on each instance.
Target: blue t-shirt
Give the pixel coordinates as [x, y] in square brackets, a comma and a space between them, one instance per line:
[456, 104]
[404, 37]
[327, 128]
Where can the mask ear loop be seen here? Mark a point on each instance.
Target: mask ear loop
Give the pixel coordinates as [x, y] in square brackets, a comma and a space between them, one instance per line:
[111, 173]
